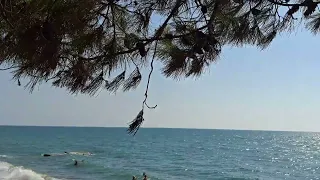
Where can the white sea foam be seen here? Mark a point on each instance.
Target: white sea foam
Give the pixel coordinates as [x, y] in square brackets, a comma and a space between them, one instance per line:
[81, 153]
[70, 153]
[3, 156]
[10, 172]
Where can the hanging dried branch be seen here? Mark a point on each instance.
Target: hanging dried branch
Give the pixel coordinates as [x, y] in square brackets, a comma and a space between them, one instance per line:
[144, 103]
[137, 122]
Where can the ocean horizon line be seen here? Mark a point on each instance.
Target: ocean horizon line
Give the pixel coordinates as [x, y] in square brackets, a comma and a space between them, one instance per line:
[179, 128]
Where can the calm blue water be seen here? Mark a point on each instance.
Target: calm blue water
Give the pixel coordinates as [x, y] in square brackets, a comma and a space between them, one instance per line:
[166, 154]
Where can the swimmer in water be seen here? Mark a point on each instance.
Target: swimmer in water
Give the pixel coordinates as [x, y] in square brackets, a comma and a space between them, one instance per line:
[145, 176]
[75, 162]
[134, 178]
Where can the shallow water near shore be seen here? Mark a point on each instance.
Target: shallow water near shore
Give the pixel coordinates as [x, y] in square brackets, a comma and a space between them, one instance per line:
[164, 154]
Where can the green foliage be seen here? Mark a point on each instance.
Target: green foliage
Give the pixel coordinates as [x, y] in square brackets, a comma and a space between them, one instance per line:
[77, 45]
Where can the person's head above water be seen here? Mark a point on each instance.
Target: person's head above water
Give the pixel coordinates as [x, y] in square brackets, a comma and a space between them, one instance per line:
[134, 178]
[144, 176]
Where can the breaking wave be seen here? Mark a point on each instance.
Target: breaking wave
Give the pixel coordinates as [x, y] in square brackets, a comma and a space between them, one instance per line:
[11, 172]
[69, 153]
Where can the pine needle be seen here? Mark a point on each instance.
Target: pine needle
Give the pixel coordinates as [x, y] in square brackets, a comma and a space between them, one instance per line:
[133, 80]
[94, 85]
[114, 85]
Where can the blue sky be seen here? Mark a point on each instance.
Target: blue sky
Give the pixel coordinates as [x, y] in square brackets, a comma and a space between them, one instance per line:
[274, 89]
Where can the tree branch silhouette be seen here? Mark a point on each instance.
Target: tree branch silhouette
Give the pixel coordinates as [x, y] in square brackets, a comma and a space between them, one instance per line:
[78, 45]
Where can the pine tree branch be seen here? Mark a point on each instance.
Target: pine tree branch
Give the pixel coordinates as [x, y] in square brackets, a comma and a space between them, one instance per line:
[3, 15]
[146, 42]
[113, 23]
[287, 4]
[165, 23]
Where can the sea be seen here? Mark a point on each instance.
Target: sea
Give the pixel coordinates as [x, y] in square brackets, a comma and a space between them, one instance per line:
[163, 154]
